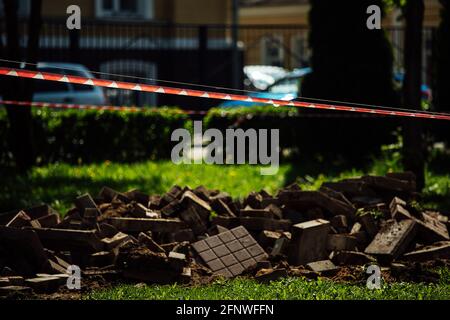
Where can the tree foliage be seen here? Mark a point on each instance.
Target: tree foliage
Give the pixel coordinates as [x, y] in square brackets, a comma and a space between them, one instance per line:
[349, 61]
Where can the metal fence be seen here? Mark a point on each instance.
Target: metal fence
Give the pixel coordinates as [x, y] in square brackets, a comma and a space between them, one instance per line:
[198, 54]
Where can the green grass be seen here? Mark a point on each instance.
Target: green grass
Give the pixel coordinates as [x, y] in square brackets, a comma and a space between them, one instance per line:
[285, 289]
[59, 184]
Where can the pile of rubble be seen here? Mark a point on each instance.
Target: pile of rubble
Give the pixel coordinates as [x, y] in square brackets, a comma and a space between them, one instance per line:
[188, 234]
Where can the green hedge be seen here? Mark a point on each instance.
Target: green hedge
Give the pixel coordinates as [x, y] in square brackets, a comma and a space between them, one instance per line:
[76, 136]
[91, 136]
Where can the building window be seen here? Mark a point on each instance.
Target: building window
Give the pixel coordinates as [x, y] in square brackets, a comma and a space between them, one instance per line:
[272, 50]
[143, 9]
[300, 51]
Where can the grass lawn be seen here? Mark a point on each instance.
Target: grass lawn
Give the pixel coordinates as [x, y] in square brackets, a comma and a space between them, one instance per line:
[285, 289]
[59, 184]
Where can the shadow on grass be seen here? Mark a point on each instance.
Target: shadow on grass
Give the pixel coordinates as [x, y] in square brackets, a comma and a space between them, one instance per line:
[19, 191]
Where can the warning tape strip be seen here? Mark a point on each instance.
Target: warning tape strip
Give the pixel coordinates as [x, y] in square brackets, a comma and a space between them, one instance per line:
[93, 107]
[21, 73]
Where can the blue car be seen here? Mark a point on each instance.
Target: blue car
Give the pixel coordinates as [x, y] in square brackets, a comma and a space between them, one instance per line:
[286, 89]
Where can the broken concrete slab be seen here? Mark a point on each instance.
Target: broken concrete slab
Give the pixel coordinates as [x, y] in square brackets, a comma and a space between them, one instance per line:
[323, 267]
[136, 225]
[335, 194]
[45, 284]
[389, 183]
[14, 290]
[309, 240]
[392, 240]
[65, 239]
[351, 188]
[438, 250]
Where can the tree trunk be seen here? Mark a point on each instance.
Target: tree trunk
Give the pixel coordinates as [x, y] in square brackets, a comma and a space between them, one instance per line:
[413, 140]
[20, 119]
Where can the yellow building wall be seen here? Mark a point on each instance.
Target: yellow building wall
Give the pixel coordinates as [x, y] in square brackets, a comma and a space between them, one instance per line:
[52, 8]
[297, 14]
[201, 11]
[177, 11]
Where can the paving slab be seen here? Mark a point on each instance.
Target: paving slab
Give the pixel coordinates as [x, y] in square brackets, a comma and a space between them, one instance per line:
[230, 253]
[392, 240]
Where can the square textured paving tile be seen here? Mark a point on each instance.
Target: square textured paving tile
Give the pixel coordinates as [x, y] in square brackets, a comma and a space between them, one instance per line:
[230, 253]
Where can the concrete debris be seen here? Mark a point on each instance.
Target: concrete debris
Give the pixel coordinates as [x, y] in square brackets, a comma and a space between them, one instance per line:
[185, 232]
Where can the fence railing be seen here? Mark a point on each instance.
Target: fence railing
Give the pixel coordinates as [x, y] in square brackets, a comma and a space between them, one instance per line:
[182, 52]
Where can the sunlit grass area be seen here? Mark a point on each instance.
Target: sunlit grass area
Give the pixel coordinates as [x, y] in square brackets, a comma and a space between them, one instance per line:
[285, 289]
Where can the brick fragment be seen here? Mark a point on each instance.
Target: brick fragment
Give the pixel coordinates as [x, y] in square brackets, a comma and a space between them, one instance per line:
[136, 225]
[339, 242]
[191, 217]
[150, 243]
[309, 240]
[221, 208]
[438, 250]
[64, 239]
[429, 229]
[201, 207]
[324, 267]
[392, 240]
[84, 202]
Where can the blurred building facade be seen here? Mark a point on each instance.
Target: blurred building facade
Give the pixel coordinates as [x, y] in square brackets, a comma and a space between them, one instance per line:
[190, 40]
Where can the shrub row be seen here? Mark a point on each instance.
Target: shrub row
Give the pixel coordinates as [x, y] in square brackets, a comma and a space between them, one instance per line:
[91, 136]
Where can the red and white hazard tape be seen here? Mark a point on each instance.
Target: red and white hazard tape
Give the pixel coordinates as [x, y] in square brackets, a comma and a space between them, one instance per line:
[208, 94]
[91, 107]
